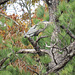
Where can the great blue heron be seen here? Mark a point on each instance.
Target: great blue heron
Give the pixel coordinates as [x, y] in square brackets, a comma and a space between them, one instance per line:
[33, 30]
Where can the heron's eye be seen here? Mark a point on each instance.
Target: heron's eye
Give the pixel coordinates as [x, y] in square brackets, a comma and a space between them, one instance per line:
[49, 1]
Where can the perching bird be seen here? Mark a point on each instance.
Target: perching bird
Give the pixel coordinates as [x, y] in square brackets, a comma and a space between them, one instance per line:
[33, 30]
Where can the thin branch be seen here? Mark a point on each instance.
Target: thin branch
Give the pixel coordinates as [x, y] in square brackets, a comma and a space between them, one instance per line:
[4, 67]
[62, 63]
[2, 61]
[7, 64]
[9, 18]
[33, 51]
[68, 32]
[41, 38]
[32, 70]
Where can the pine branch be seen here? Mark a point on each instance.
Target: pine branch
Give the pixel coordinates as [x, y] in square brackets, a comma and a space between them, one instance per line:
[9, 18]
[68, 32]
[41, 38]
[2, 61]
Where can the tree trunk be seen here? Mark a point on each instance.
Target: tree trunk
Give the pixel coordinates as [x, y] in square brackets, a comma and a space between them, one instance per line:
[52, 18]
[52, 10]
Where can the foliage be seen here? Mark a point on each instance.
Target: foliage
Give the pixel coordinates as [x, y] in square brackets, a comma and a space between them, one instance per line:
[36, 20]
[46, 17]
[10, 23]
[25, 41]
[29, 59]
[1, 39]
[5, 73]
[12, 40]
[66, 17]
[40, 12]
[10, 70]
[4, 53]
[45, 59]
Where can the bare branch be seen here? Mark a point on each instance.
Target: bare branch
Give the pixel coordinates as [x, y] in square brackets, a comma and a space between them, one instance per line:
[41, 38]
[33, 51]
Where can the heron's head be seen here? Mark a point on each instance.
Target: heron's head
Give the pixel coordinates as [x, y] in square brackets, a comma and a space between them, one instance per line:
[26, 36]
[46, 22]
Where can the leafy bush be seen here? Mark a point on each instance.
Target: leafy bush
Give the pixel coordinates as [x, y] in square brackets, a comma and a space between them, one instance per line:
[25, 41]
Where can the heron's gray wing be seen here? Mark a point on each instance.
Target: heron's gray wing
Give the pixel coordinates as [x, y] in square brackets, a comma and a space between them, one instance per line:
[32, 30]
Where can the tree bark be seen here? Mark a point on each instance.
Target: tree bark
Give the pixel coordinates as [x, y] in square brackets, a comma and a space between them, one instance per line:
[52, 10]
[61, 59]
